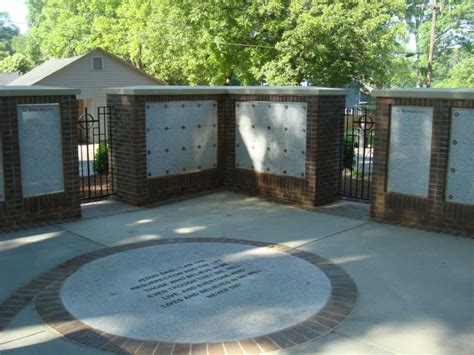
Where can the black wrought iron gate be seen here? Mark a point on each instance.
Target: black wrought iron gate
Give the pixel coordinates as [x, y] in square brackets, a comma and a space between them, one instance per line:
[95, 164]
[357, 154]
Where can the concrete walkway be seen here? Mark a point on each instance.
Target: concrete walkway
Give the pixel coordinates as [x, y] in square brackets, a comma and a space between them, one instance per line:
[416, 288]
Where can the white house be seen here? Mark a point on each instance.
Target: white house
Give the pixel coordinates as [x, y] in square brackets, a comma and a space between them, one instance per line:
[91, 72]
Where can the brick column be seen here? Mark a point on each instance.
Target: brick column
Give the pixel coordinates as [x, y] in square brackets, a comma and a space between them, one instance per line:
[15, 209]
[434, 210]
[327, 140]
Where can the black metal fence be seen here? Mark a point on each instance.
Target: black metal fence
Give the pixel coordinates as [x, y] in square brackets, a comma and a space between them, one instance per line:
[357, 154]
[95, 163]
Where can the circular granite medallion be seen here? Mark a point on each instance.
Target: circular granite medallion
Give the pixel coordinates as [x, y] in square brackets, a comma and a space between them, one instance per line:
[201, 292]
[195, 292]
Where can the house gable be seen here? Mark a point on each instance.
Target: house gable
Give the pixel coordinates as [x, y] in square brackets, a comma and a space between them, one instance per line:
[111, 73]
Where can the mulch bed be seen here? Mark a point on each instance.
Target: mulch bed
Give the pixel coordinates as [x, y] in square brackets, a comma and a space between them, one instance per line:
[358, 188]
[95, 186]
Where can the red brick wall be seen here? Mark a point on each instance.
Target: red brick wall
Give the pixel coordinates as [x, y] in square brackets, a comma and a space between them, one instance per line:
[16, 209]
[322, 159]
[433, 210]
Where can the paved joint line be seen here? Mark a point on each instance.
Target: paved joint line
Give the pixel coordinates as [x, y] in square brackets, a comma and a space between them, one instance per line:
[22, 337]
[81, 236]
[333, 234]
[362, 341]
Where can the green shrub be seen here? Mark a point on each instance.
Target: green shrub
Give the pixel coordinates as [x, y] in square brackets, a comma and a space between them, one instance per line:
[101, 159]
[349, 156]
[371, 139]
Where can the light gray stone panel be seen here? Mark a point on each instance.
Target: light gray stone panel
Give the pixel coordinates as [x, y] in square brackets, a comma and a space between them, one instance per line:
[202, 136]
[410, 150]
[243, 160]
[2, 178]
[155, 116]
[209, 157]
[264, 130]
[460, 179]
[175, 114]
[39, 130]
[174, 125]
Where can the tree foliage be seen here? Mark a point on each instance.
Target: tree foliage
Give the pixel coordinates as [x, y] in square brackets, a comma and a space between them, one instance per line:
[15, 63]
[454, 40]
[460, 75]
[332, 43]
[279, 42]
[221, 41]
[7, 31]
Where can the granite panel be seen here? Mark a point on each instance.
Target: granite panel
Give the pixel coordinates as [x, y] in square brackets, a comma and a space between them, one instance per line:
[410, 150]
[181, 136]
[39, 129]
[460, 181]
[175, 114]
[271, 136]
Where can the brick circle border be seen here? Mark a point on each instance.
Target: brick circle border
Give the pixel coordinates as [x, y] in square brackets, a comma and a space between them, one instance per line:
[49, 306]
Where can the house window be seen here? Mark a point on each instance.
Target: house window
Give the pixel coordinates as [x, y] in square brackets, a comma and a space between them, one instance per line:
[97, 63]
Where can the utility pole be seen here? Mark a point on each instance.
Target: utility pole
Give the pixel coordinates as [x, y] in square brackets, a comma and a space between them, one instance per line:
[434, 12]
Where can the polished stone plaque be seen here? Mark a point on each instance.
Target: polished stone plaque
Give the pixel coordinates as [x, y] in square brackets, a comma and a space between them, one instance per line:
[410, 150]
[460, 177]
[40, 138]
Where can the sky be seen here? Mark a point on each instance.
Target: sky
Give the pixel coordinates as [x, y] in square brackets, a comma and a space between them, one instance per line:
[18, 12]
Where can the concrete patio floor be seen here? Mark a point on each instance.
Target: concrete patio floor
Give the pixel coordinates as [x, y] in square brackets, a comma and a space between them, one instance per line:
[416, 288]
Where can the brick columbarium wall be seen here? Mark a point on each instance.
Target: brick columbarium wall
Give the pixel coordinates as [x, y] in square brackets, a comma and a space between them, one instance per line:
[424, 158]
[285, 146]
[279, 142]
[156, 159]
[39, 175]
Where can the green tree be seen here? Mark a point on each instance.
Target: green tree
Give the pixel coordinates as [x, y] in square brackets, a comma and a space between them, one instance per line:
[15, 63]
[460, 75]
[453, 39]
[7, 31]
[215, 42]
[27, 45]
[333, 43]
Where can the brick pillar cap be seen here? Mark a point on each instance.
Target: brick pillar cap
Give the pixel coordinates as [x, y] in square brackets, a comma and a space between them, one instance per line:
[426, 93]
[25, 90]
[237, 90]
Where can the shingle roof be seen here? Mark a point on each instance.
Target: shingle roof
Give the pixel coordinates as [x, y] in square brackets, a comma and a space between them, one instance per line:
[6, 78]
[54, 65]
[44, 70]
